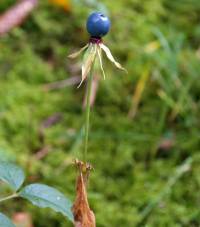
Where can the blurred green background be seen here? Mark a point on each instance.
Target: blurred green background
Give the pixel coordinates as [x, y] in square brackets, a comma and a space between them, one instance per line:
[145, 128]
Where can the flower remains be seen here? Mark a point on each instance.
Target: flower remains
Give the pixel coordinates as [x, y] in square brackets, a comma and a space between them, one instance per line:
[98, 25]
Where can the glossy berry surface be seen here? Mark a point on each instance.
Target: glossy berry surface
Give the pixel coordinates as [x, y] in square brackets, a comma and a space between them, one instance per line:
[98, 25]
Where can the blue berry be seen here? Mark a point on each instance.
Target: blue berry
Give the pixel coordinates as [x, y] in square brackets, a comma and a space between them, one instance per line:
[98, 25]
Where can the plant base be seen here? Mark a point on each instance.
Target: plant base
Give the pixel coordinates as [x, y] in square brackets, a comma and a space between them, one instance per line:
[83, 215]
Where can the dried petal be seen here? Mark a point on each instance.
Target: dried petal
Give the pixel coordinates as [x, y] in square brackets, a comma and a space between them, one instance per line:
[88, 60]
[110, 57]
[76, 54]
[100, 61]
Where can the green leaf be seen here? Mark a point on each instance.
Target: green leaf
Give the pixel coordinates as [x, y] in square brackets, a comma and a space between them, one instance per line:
[5, 221]
[11, 174]
[44, 196]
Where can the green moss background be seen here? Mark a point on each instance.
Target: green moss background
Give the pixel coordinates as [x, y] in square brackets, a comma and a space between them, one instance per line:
[133, 169]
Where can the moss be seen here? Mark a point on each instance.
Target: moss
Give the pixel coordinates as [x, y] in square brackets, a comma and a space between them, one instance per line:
[130, 168]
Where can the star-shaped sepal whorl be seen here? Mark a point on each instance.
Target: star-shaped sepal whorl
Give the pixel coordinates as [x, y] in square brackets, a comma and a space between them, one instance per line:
[98, 26]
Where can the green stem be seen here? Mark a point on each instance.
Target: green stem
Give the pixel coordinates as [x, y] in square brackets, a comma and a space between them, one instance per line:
[87, 115]
[9, 197]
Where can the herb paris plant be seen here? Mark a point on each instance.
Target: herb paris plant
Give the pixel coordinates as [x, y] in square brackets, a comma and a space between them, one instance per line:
[97, 25]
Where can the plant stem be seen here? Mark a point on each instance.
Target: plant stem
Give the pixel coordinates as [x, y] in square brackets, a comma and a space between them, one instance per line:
[87, 115]
[9, 197]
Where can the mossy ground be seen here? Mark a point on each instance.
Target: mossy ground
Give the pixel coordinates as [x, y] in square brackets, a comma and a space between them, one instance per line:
[159, 37]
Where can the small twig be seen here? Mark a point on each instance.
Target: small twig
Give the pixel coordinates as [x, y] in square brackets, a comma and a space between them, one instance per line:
[42, 153]
[16, 15]
[63, 83]
[52, 120]
[44, 149]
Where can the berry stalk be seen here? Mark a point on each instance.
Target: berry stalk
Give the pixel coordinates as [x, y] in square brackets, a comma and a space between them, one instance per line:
[87, 114]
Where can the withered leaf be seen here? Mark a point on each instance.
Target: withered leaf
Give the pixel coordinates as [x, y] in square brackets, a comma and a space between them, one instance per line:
[83, 215]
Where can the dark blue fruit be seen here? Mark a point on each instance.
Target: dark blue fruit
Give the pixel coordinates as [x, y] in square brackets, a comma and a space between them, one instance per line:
[98, 25]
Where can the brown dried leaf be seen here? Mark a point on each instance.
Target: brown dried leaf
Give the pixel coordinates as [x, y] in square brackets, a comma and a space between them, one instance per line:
[83, 215]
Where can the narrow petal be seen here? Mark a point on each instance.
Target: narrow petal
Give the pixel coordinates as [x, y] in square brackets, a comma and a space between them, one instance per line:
[88, 60]
[76, 54]
[110, 57]
[100, 61]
